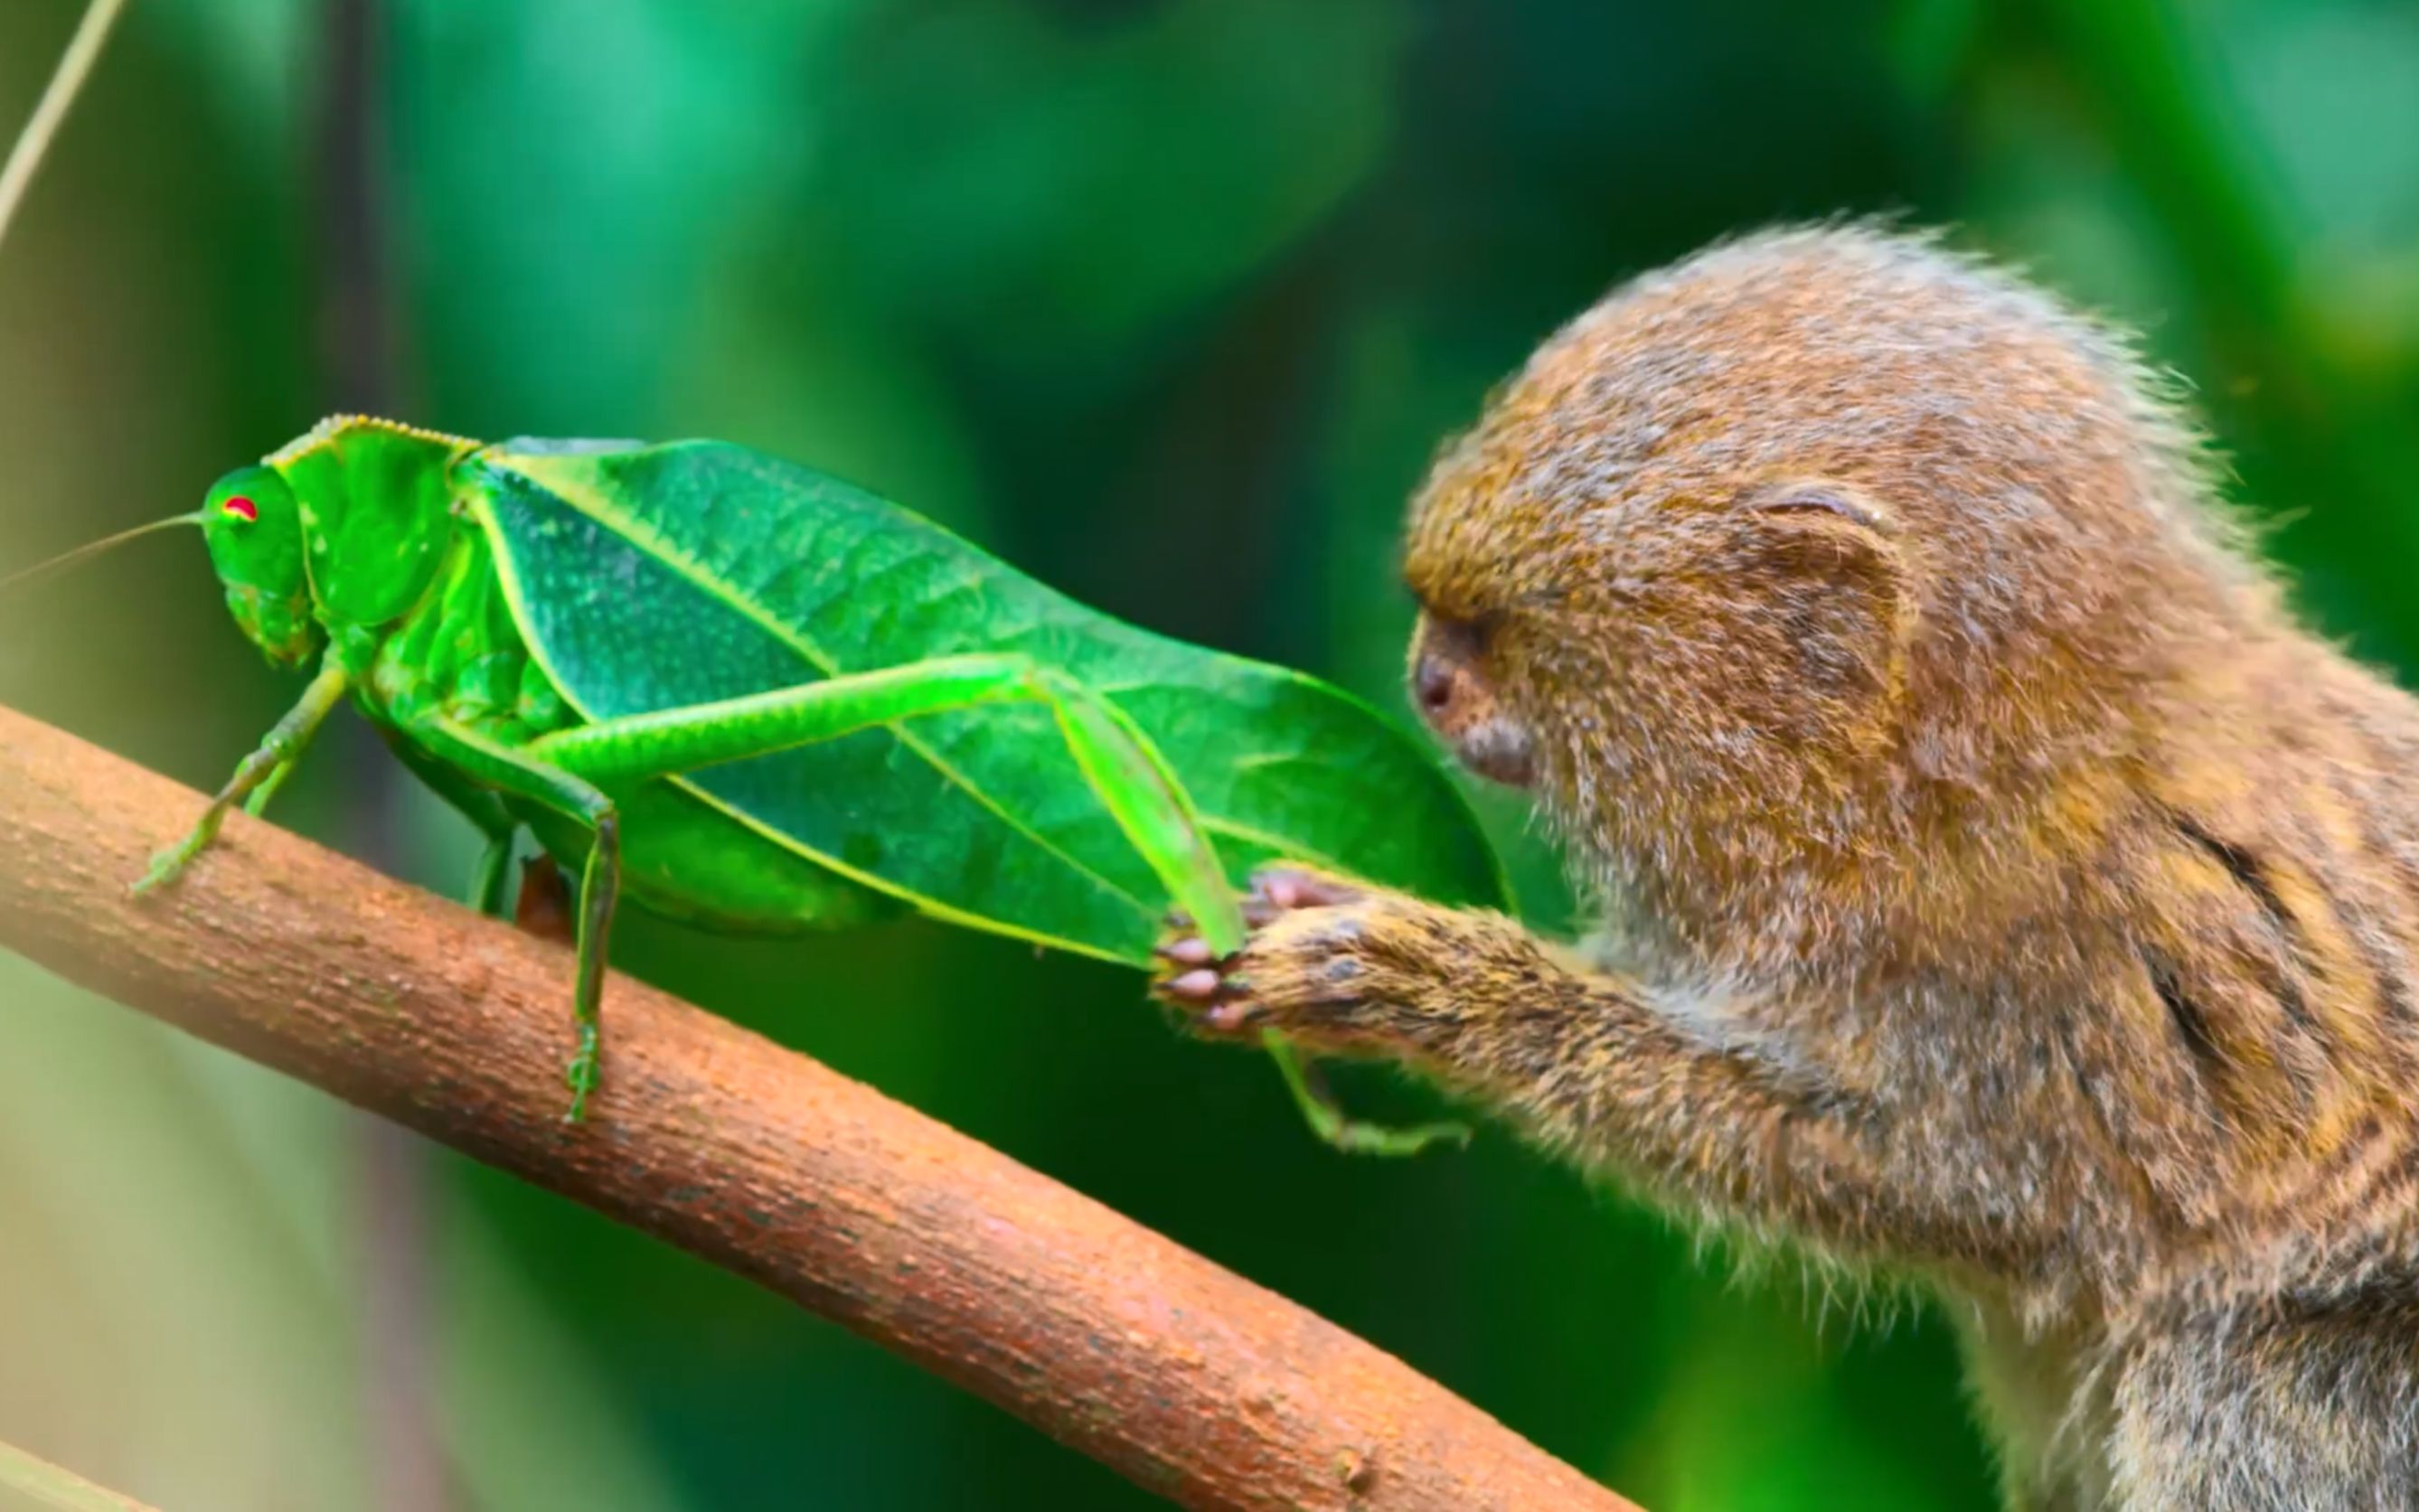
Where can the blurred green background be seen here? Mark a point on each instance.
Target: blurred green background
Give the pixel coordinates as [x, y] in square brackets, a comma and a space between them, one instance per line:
[1168, 302]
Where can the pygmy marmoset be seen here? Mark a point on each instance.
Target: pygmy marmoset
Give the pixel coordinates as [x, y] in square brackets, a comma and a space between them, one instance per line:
[1999, 887]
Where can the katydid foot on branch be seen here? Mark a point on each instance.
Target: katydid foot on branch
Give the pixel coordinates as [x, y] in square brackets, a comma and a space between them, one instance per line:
[257, 778]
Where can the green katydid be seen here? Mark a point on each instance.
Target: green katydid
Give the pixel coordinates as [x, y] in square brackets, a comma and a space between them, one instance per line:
[753, 698]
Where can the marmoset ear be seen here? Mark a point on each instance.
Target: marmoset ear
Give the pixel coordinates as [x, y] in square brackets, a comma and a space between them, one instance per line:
[1824, 561]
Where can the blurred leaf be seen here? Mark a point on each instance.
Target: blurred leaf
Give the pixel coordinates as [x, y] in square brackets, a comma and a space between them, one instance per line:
[566, 169]
[1075, 182]
[179, 1251]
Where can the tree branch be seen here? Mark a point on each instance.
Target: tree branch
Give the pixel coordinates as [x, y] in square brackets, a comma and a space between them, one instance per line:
[1194, 1383]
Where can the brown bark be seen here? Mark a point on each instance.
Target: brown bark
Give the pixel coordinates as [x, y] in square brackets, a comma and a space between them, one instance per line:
[1194, 1383]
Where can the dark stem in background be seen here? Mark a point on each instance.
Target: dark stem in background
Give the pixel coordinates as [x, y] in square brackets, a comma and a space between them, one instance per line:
[356, 321]
[407, 1464]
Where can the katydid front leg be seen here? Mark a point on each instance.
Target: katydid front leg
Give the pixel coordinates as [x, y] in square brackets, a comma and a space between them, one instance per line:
[258, 772]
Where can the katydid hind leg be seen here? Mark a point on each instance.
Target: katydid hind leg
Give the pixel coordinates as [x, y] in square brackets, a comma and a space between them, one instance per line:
[1326, 1118]
[276, 754]
[1126, 772]
[522, 774]
[1136, 784]
[672, 742]
[1131, 781]
[1142, 794]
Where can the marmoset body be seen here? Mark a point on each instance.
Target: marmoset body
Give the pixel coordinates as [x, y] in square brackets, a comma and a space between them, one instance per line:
[2000, 888]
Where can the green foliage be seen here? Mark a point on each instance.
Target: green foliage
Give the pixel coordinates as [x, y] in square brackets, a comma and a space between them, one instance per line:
[1167, 301]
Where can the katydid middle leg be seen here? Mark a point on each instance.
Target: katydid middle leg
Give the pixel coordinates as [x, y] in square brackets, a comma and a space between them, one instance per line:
[491, 883]
[520, 772]
[261, 796]
[491, 880]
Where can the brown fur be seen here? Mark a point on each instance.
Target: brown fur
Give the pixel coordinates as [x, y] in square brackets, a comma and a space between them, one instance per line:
[2000, 887]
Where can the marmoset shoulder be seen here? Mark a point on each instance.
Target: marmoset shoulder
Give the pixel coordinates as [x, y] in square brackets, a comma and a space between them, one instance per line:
[2001, 888]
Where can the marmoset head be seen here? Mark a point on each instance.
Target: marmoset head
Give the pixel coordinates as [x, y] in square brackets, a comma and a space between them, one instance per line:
[1801, 527]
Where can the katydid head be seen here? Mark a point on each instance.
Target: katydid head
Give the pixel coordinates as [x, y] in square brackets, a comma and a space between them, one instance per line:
[254, 525]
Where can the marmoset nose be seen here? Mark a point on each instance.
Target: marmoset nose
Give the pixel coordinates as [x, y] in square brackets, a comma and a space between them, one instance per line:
[1432, 684]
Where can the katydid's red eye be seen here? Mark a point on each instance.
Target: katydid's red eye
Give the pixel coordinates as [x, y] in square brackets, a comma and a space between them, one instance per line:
[242, 509]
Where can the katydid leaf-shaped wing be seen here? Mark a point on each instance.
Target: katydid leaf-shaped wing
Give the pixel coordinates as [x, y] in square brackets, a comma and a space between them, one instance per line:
[664, 576]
